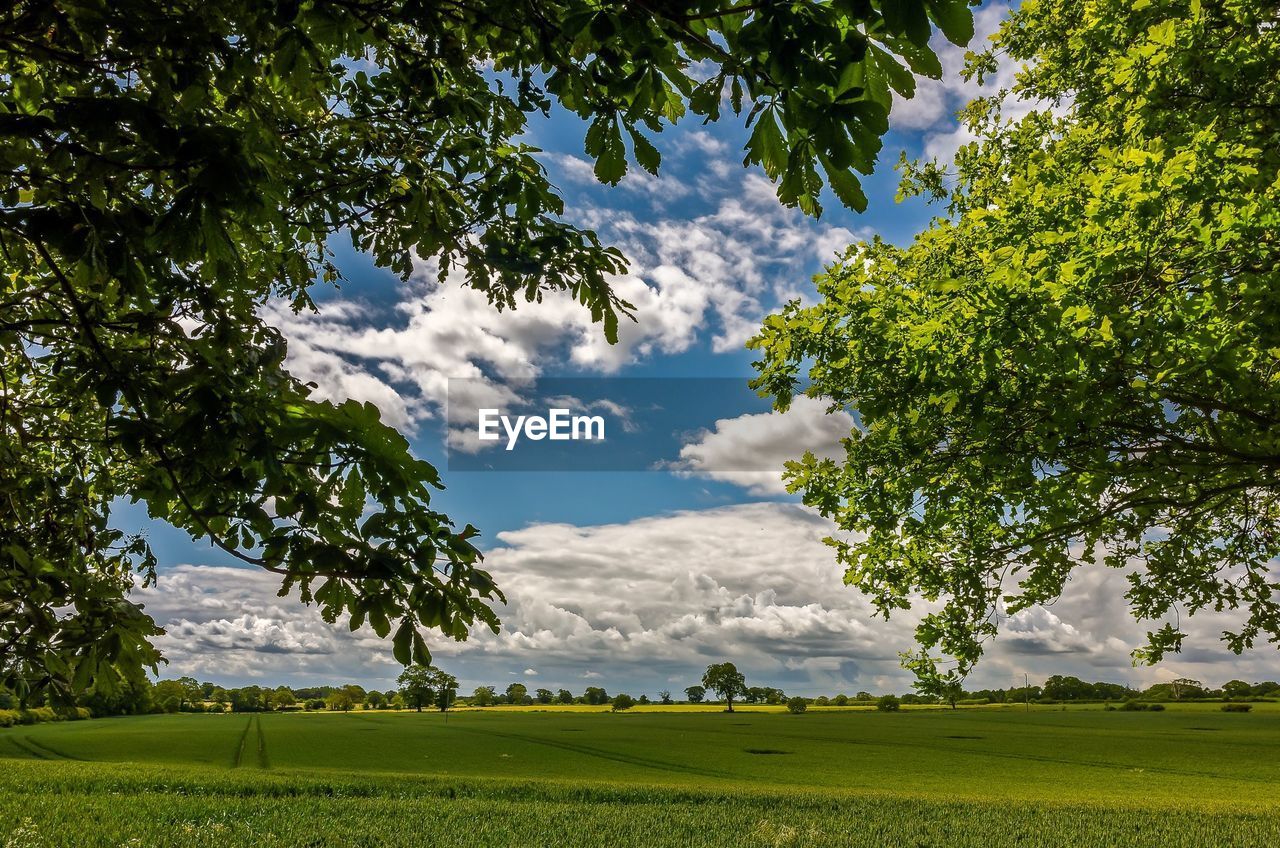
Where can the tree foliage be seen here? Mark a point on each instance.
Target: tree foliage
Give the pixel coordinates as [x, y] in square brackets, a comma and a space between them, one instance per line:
[424, 685]
[1080, 362]
[170, 167]
[726, 681]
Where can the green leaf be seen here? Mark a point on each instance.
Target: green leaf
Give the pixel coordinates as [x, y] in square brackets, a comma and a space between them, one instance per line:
[954, 19]
[766, 145]
[647, 155]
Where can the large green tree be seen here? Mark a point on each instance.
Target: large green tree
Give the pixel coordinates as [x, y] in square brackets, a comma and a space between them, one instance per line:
[1079, 363]
[726, 681]
[170, 167]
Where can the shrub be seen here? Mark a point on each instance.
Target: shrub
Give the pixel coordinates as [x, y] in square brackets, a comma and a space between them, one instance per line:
[8, 718]
[217, 708]
[1236, 708]
[797, 705]
[1156, 708]
[1133, 706]
[888, 704]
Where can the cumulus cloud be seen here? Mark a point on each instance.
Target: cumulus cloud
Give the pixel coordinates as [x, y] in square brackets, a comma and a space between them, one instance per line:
[707, 277]
[751, 450]
[646, 604]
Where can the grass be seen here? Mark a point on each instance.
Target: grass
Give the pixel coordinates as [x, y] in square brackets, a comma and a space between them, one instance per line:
[504, 777]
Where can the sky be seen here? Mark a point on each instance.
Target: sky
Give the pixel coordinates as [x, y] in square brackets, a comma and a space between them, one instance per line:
[637, 579]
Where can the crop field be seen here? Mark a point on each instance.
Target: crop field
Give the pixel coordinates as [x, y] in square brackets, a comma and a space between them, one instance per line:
[978, 777]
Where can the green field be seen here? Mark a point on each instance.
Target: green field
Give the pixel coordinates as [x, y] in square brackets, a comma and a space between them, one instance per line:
[499, 777]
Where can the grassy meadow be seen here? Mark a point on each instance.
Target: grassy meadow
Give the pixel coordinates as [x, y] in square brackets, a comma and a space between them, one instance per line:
[977, 777]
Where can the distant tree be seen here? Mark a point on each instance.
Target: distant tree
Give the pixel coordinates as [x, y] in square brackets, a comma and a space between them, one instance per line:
[623, 702]
[642, 700]
[774, 696]
[695, 694]
[282, 696]
[797, 705]
[375, 700]
[483, 696]
[1262, 690]
[440, 687]
[417, 683]
[863, 696]
[192, 691]
[1185, 687]
[341, 701]
[315, 704]
[1067, 688]
[545, 696]
[516, 693]
[595, 695]
[664, 696]
[564, 696]
[822, 701]
[841, 700]
[165, 691]
[727, 682]
[356, 693]
[888, 704]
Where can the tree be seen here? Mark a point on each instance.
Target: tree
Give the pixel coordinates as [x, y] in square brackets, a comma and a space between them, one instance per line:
[192, 691]
[282, 696]
[341, 701]
[564, 696]
[888, 704]
[516, 693]
[595, 695]
[797, 705]
[423, 686]
[664, 697]
[622, 702]
[727, 682]
[483, 696]
[169, 169]
[375, 701]
[169, 691]
[1076, 363]
[545, 696]
[695, 694]
[1236, 689]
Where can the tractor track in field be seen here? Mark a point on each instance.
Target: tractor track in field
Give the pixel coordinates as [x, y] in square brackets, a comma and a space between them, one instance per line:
[238, 755]
[252, 735]
[264, 762]
[644, 762]
[40, 751]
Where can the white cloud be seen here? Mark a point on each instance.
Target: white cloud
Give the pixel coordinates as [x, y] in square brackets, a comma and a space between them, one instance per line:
[751, 450]
[647, 604]
[712, 276]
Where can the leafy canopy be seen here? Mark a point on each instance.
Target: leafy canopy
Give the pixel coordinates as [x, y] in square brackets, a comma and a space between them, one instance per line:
[725, 680]
[170, 167]
[1080, 362]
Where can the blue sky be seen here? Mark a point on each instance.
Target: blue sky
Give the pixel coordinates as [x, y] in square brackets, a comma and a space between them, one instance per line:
[636, 580]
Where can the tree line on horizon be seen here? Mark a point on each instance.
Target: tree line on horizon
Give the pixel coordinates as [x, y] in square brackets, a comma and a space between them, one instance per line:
[422, 687]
